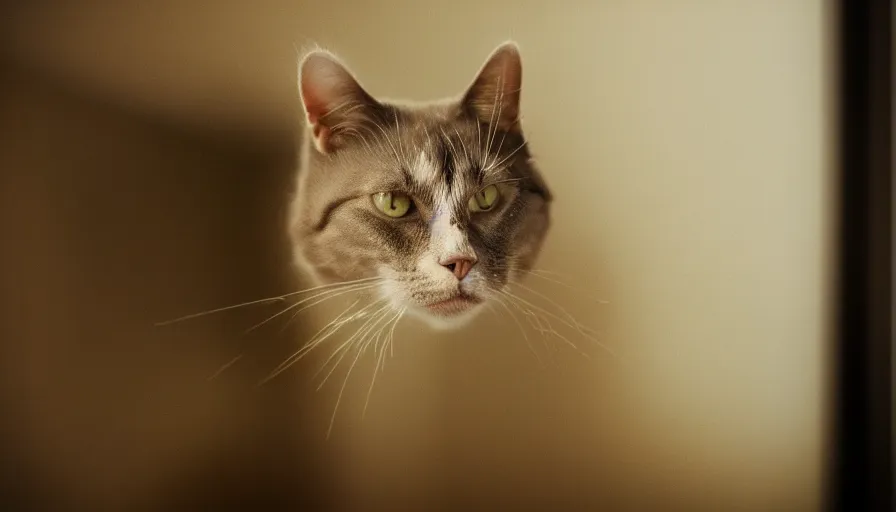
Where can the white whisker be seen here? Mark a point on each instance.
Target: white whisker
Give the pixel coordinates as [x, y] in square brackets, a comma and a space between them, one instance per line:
[554, 303]
[462, 145]
[224, 367]
[316, 340]
[479, 142]
[398, 158]
[522, 329]
[382, 350]
[576, 325]
[341, 390]
[454, 154]
[359, 335]
[538, 273]
[392, 336]
[550, 329]
[267, 300]
[329, 294]
[497, 165]
[362, 348]
[496, 108]
[398, 132]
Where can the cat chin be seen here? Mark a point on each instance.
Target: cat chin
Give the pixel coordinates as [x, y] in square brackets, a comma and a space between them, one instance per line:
[440, 322]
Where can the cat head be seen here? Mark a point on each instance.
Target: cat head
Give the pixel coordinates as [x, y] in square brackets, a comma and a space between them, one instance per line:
[436, 206]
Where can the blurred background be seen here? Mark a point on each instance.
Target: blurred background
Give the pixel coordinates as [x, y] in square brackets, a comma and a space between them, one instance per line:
[147, 153]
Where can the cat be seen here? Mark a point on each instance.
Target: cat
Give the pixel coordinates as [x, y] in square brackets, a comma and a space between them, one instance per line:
[432, 207]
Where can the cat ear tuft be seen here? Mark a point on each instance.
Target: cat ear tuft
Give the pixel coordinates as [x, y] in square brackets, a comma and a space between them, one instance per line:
[494, 96]
[332, 98]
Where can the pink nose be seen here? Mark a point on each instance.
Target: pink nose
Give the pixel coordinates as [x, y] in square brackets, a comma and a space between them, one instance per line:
[460, 266]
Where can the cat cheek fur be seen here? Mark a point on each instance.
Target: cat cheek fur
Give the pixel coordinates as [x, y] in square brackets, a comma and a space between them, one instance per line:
[439, 153]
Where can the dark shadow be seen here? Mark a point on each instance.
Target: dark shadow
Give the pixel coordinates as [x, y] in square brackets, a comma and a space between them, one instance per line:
[111, 223]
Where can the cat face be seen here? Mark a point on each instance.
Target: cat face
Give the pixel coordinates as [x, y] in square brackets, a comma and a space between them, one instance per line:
[437, 205]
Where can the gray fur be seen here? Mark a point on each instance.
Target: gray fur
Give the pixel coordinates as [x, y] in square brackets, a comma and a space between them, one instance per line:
[439, 153]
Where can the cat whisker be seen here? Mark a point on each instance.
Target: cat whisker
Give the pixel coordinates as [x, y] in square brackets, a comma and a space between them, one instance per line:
[333, 292]
[328, 330]
[497, 152]
[556, 305]
[497, 165]
[387, 338]
[479, 142]
[341, 291]
[538, 273]
[519, 304]
[341, 390]
[363, 343]
[398, 159]
[359, 335]
[522, 329]
[500, 107]
[574, 325]
[224, 367]
[462, 145]
[508, 180]
[537, 323]
[320, 336]
[327, 295]
[447, 139]
[268, 300]
[551, 272]
[533, 273]
[377, 355]
[495, 116]
[382, 350]
[398, 130]
[392, 335]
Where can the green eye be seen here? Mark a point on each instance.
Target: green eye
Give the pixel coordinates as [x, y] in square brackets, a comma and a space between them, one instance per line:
[393, 204]
[485, 199]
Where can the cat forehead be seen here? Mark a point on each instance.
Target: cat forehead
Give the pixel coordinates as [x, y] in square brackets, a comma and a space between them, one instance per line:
[424, 169]
[442, 161]
[439, 177]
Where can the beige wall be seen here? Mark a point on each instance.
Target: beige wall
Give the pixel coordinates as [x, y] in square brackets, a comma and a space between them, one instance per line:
[689, 148]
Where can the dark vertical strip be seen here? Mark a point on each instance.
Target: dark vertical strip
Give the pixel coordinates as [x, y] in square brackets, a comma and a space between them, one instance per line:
[448, 163]
[863, 471]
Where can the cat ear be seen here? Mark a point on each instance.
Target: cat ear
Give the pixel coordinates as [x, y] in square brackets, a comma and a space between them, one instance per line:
[334, 102]
[494, 96]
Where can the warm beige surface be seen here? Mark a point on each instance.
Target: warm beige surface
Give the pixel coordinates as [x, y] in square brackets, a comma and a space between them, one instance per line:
[688, 148]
